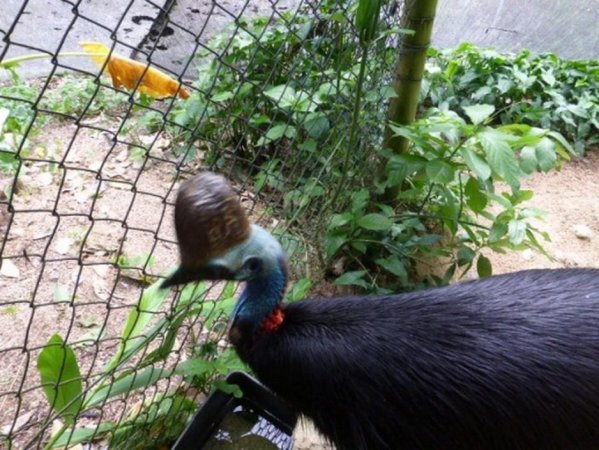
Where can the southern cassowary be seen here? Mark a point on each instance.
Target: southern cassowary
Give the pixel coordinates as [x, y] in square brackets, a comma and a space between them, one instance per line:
[508, 362]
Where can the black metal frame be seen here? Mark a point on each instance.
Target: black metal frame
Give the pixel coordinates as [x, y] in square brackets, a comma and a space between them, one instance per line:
[219, 404]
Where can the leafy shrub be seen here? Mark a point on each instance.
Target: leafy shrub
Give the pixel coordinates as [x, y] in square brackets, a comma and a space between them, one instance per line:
[282, 102]
[540, 90]
[16, 117]
[140, 361]
[449, 206]
[278, 98]
[78, 97]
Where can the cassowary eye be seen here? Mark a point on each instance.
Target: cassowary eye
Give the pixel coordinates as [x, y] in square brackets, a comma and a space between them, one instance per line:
[253, 264]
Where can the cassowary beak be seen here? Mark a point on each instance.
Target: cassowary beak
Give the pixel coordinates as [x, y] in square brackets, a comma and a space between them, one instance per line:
[185, 275]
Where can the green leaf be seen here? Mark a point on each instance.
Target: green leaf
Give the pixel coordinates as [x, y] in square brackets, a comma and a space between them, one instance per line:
[375, 222]
[394, 265]
[522, 196]
[195, 367]
[222, 96]
[259, 119]
[162, 352]
[561, 140]
[484, 267]
[545, 153]
[234, 389]
[359, 200]
[501, 157]
[317, 125]
[465, 256]
[299, 290]
[403, 131]
[516, 231]
[275, 133]
[548, 78]
[284, 96]
[333, 242]
[440, 171]
[537, 245]
[367, 17]
[147, 309]
[61, 378]
[360, 246]
[353, 278]
[428, 240]
[127, 383]
[497, 232]
[528, 160]
[84, 434]
[476, 163]
[501, 199]
[338, 220]
[531, 212]
[478, 113]
[475, 197]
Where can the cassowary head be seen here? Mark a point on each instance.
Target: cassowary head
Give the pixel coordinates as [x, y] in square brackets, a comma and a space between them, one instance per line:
[216, 241]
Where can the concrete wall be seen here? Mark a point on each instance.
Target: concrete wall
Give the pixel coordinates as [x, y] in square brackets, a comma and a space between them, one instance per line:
[567, 27]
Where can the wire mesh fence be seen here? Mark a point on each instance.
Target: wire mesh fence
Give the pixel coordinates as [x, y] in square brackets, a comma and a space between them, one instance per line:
[92, 148]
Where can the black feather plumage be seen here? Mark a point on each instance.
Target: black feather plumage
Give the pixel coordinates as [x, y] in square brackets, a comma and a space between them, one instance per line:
[509, 362]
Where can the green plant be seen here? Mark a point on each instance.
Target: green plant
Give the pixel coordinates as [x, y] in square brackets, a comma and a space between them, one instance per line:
[16, 119]
[21, 114]
[148, 338]
[134, 266]
[10, 310]
[541, 90]
[280, 97]
[449, 206]
[72, 96]
[311, 138]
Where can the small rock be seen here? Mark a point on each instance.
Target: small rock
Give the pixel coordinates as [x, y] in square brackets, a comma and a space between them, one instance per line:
[101, 270]
[100, 290]
[527, 254]
[583, 232]
[63, 245]
[9, 269]
[95, 165]
[19, 423]
[16, 232]
[84, 196]
[45, 179]
[147, 139]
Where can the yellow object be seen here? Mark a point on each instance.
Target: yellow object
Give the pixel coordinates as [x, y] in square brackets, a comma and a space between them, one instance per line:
[126, 73]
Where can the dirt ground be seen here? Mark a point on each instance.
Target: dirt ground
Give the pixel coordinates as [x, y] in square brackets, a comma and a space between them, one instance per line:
[64, 213]
[61, 216]
[570, 198]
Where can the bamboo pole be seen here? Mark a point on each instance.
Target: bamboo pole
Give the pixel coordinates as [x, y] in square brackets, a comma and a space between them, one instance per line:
[417, 16]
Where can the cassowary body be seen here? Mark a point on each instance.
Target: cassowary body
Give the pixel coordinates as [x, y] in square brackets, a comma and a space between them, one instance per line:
[509, 362]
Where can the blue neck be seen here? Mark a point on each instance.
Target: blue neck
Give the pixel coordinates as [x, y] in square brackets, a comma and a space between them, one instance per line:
[261, 296]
